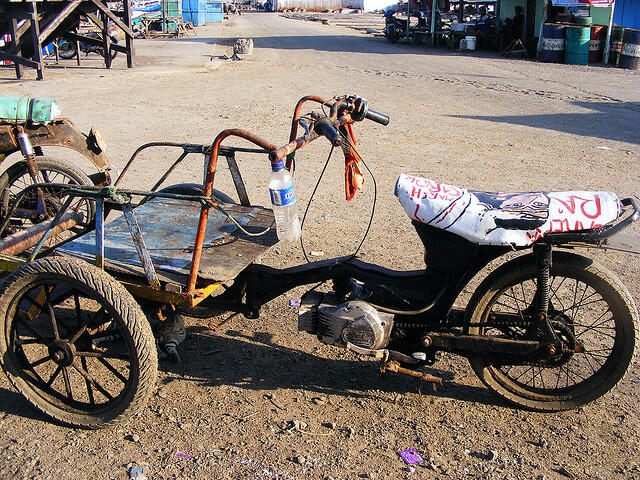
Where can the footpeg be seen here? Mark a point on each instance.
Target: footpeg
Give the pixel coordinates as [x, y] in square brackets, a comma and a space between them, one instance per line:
[393, 366]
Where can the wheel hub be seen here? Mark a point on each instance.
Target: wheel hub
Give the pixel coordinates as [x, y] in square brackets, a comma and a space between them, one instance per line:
[62, 352]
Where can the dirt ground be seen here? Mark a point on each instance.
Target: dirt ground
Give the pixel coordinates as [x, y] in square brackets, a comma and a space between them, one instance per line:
[256, 399]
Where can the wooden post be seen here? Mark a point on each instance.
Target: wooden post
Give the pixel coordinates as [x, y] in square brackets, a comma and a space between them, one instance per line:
[128, 38]
[106, 41]
[75, 30]
[35, 36]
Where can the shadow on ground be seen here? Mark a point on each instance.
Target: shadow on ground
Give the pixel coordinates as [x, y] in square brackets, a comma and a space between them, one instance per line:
[609, 121]
[256, 363]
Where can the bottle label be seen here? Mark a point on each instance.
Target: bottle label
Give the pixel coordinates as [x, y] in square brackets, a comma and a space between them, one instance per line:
[283, 197]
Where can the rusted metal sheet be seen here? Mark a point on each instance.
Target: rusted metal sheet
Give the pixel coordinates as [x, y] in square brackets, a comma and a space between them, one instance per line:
[169, 228]
[58, 133]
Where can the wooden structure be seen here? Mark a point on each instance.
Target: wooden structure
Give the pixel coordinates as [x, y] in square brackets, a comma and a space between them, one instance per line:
[34, 23]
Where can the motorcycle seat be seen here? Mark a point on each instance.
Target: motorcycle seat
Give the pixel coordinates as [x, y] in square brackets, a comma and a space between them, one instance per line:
[501, 218]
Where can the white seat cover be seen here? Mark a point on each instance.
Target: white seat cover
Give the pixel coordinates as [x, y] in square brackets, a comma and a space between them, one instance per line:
[517, 219]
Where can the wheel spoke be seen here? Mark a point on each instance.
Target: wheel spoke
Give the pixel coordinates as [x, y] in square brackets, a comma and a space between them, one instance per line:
[31, 341]
[39, 362]
[22, 321]
[77, 335]
[92, 401]
[112, 369]
[89, 378]
[53, 376]
[67, 383]
[111, 355]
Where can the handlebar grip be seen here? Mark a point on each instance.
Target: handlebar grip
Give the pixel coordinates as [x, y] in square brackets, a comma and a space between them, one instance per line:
[380, 118]
[323, 126]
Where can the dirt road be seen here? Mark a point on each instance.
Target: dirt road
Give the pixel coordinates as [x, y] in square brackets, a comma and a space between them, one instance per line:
[253, 399]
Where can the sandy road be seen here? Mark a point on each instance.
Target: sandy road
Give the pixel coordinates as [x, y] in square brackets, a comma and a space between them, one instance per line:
[475, 120]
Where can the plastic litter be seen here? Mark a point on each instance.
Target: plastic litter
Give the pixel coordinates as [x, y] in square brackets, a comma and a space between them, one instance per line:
[137, 473]
[410, 456]
[184, 455]
[294, 302]
[318, 253]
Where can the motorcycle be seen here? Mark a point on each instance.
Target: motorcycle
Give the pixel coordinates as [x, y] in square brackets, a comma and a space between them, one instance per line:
[396, 28]
[67, 45]
[548, 330]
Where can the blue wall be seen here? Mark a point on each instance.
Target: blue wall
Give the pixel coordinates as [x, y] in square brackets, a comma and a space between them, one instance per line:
[627, 13]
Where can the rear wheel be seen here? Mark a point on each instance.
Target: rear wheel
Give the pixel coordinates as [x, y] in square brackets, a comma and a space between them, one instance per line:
[588, 306]
[16, 178]
[75, 344]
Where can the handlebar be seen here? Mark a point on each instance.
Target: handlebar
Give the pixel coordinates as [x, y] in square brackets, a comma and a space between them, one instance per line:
[380, 118]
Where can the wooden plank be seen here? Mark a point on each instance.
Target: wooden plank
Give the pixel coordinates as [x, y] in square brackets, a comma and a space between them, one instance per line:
[18, 60]
[113, 17]
[59, 18]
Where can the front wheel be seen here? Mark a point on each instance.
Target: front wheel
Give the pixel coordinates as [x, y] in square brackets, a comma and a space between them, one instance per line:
[588, 306]
[75, 344]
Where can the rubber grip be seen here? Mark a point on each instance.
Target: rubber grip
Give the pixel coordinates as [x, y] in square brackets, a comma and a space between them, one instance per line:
[380, 118]
[324, 127]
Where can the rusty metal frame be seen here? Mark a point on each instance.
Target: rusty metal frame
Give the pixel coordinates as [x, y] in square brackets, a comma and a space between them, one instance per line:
[275, 154]
[58, 133]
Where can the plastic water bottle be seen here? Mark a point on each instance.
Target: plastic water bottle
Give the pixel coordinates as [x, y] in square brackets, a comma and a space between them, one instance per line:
[283, 200]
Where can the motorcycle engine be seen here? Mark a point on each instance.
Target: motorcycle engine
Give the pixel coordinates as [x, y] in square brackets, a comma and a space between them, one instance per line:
[354, 321]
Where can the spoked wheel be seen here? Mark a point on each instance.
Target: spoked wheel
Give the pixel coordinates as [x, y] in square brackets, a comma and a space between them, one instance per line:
[16, 178]
[591, 312]
[75, 344]
[66, 49]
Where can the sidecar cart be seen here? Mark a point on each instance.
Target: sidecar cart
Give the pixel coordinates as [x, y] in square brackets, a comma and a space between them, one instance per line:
[73, 340]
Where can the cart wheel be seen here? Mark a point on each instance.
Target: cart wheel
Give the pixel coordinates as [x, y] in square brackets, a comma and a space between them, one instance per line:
[74, 342]
[16, 178]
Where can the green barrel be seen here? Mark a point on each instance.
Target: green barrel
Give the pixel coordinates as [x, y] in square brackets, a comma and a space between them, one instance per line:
[577, 45]
[582, 21]
[615, 45]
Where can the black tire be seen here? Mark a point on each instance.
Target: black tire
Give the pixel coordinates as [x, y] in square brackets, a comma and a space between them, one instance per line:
[66, 49]
[74, 342]
[196, 189]
[16, 178]
[587, 304]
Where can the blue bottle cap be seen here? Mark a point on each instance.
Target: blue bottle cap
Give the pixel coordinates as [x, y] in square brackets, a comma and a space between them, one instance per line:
[277, 166]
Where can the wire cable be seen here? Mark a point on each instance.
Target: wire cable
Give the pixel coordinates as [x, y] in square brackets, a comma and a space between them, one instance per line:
[373, 207]
[309, 204]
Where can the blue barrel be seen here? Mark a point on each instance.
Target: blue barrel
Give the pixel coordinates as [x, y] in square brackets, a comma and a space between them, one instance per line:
[553, 43]
[195, 11]
[577, 45]
[214, 11]
[630, 55]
